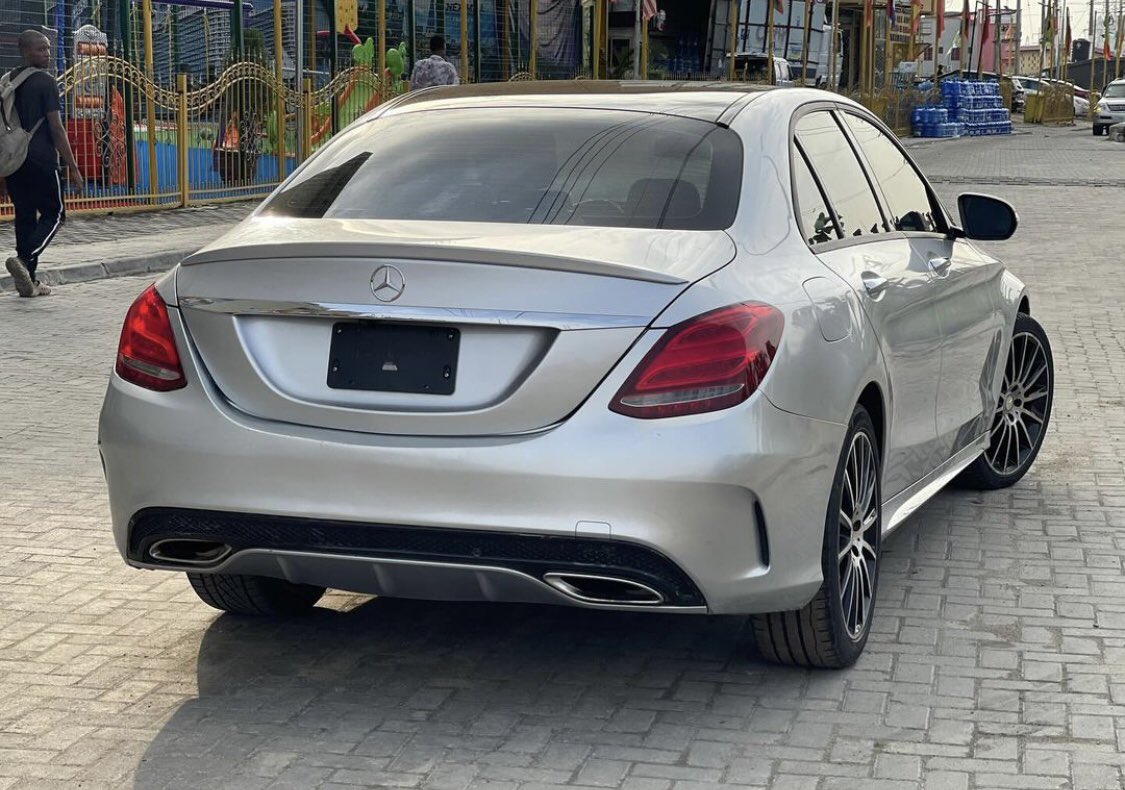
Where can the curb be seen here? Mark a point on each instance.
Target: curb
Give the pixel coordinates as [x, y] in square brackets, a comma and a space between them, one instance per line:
[117, 267]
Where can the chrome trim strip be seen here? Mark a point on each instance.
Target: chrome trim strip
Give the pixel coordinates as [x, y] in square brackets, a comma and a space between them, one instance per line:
[443, 315]
[900, 507]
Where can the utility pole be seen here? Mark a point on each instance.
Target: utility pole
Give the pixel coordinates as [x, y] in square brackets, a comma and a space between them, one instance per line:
[997, 35]
[1017, 56]
[1042, 35]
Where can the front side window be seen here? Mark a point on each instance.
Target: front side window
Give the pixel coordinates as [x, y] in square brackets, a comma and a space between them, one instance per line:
[845, 184]
[905, 192]
[544, 166]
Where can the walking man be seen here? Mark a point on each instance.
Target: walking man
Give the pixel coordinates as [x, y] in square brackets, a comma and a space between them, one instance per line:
[35, 188]
[434, 70]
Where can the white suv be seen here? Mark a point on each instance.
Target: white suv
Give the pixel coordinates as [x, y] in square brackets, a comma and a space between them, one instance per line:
[1111, 108]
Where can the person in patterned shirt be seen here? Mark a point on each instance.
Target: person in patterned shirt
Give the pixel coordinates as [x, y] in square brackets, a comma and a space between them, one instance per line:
[434, 70]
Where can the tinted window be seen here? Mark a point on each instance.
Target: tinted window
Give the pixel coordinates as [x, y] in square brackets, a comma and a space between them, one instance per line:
[844, 182]
[903, 189]
[539, 166]
[812, 210]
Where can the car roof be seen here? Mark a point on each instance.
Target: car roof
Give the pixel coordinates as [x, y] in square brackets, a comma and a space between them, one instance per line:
[706, 101]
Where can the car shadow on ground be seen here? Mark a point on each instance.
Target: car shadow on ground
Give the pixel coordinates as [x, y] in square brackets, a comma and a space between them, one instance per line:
[349, 689]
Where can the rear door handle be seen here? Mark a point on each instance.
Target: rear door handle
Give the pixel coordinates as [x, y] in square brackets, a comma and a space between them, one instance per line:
[874, 284]
[940, 266]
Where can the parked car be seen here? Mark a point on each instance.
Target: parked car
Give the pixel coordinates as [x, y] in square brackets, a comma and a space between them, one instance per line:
[612, 346]
[1111, 107]
[750, 67]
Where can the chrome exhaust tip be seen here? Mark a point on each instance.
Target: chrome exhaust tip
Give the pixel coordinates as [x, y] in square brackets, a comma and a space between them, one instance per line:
[189, 551]
[604, 589]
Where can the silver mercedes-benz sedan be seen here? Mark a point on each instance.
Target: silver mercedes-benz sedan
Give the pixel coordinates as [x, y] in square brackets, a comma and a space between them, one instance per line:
[634, 346]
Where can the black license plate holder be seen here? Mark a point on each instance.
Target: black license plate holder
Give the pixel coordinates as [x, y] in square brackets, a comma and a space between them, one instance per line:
[381, 357]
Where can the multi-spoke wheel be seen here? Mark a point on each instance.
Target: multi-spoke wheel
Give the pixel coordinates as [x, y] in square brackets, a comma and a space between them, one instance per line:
[859, 524]
[1022, 412]
[831, 630]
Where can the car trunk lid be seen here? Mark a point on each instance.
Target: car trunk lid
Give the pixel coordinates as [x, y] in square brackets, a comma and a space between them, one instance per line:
[447, 329]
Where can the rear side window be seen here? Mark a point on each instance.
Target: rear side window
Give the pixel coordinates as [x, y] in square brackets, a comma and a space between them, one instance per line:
[831, 156]
[812, 210]
[542, 166]
[905, 192]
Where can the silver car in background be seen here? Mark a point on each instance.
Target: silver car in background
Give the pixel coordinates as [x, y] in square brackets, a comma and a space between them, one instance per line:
[1111, 107]
[631, 346]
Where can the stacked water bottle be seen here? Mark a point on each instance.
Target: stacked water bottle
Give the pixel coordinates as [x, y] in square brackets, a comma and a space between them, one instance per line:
[978, 105]
[934, 122]
[969, 107]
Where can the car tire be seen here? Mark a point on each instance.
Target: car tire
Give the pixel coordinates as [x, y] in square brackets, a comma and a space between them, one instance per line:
[1020, 422]
[821, 634]
[1097, 130]
[254, 595]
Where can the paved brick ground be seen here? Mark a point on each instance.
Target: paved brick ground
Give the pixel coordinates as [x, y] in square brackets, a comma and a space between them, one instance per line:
[1068, 155]
[998, 660]
[89, 228]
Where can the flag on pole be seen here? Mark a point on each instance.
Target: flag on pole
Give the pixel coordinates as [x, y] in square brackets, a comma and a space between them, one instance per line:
[915, 17]
[985, 28]
[648, 10]
[779, 6]
[940, 21]
[869, 12]
[965, 17]
[891, 11]
[1120, 35]
[1067, 39]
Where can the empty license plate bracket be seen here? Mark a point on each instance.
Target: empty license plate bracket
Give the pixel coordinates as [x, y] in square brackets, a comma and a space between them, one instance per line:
[382, 357]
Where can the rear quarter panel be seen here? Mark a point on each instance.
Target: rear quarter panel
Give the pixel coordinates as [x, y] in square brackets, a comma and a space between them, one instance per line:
[828, 353]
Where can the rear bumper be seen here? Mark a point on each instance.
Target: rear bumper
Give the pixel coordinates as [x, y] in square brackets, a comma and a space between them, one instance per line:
[732, 502]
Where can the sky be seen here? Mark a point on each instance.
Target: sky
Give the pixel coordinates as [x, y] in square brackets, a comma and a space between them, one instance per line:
[1079, 16]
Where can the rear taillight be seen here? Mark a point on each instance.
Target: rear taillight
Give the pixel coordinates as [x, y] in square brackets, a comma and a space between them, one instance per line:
[710, 362]
[146, 353]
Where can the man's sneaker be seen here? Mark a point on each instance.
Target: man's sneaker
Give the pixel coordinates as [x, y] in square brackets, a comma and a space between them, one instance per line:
[25, 286]
[42, 289]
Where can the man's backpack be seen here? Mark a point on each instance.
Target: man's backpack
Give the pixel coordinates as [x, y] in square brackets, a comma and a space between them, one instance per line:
[13, 139]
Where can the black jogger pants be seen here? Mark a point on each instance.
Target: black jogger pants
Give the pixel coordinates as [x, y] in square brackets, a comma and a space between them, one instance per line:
[37, 196]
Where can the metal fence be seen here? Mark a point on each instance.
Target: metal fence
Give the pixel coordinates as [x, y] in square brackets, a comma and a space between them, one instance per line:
[1052, 104]
[177, 102]
[143, 146]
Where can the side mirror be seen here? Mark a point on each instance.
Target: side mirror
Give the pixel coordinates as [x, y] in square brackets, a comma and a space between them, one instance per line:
[985, 218]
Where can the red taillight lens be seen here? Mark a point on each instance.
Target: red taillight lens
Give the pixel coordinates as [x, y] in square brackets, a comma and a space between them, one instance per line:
[711, 362]
[146, 354]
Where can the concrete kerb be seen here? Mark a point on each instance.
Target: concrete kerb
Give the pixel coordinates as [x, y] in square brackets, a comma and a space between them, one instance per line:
[115, 267]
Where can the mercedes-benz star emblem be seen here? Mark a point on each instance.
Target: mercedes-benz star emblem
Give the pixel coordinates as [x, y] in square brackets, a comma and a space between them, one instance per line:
[387, 283]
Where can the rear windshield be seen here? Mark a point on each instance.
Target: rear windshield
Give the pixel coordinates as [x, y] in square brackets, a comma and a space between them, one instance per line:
[537, 166]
